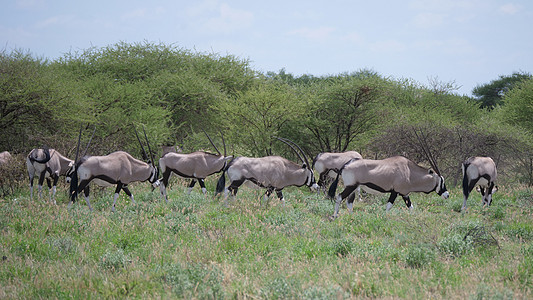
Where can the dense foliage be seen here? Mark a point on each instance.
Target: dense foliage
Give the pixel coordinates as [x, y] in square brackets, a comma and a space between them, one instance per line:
[175, 94]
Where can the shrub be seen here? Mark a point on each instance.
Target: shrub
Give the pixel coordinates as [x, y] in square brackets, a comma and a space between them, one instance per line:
[114, 260]
[455, 245]
[195, 281]
[419, 256]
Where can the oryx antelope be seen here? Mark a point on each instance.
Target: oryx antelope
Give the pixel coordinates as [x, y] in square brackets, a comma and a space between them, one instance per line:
[328, 164]
[47, 164]
[271, 172]
[395, 175]
[118, 168]
[197, 166]
[479, 171]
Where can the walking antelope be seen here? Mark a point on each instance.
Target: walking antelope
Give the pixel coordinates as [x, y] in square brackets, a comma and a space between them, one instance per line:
[479, 171]
[47, 164]
[395, 175]
[118, 168]
[197, 166]
[328, 165]
[271, 172]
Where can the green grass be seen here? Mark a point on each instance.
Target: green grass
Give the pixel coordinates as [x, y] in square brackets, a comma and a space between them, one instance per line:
[195, 247]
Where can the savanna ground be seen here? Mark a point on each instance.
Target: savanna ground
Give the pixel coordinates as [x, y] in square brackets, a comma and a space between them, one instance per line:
[195, 247]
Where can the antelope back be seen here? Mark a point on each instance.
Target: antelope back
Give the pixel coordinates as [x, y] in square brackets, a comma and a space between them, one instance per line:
[274, 171]
[117, 166]
[4, 157]
[197, 164]
[480, 167]
[333, 161]
[394, 173]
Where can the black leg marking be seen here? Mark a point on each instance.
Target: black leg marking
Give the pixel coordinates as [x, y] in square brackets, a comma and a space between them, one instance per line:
[347, 191]
[202, 183]
[392, 197]
[279, 193]
[407, 201]
[233, 188]
[193, 182]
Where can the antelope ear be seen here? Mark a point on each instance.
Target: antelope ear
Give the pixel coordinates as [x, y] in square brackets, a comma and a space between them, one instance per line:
[304, 166]
[431, 171]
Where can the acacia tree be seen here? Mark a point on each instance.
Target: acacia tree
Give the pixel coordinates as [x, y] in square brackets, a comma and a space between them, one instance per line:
[259, 113]
[491, 94]
[342, 109]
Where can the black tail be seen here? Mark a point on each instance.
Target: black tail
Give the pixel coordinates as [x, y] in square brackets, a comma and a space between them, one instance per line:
[74, 185]
[221, 184]
[333, 186]
[466, 188]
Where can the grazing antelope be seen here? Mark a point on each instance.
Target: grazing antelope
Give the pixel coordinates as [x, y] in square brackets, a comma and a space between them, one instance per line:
[197, 166]
[47, 164]
[118, 168]
[328, 165]
[395, 175]
[479, 171]
[271, 172]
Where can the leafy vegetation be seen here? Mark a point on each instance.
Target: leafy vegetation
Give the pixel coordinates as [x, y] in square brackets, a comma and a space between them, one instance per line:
[195, 247]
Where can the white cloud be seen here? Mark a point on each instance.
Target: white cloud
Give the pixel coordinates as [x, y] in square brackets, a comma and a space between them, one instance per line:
[229, 20]
[316, 34]
[510, 8]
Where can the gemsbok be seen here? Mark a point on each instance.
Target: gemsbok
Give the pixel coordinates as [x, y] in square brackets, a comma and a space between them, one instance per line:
[118, 168]
[271, 172]
[479, 171]
[47, 164]
[328, 165]
[395, 175]
[197, 166]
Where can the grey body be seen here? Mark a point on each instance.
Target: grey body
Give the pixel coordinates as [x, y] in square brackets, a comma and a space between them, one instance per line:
[5, 156]
[118, 168]
[395, 175]
[56, 166]
[328, 164]
[197, 166]
[271, 172]
[480, 171]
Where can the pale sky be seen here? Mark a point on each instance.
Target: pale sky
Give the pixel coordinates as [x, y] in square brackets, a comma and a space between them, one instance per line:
[469, 42]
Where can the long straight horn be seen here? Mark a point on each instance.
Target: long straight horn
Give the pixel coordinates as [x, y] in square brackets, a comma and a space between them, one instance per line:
[212, 142]
[78, 147]
[223, 143]
[427, 151]
[149, 149]
[145, 157]
[89, 143]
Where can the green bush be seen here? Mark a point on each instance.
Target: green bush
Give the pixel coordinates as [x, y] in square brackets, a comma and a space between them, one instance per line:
[419, 256]
[114, 260]
[455, 245]
[195, 281]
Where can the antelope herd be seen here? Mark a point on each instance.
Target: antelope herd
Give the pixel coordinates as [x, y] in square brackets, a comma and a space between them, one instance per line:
[395, 175]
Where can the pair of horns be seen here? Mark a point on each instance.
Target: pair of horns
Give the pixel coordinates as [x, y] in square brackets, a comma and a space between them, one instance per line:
[301, 153]
[145, 156]
[211, 141]
[427, 152]
[79, 141]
